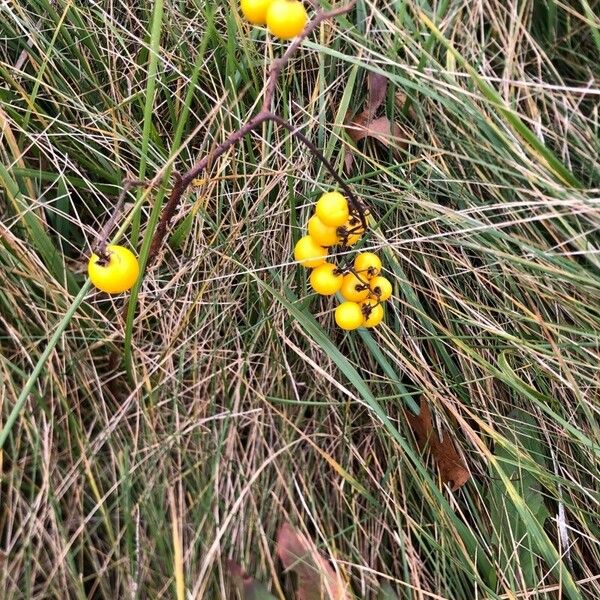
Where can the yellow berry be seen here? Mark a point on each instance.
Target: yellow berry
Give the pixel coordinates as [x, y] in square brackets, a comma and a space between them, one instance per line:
[115, 272]
[255, 11]
[286, 18]
[381, 287]
[349, 316]
[354, 288]
[308, 253]
[355, 230]
[332, 209]
[372, 312]
[367, 264]
[321, 233]
[326, 279]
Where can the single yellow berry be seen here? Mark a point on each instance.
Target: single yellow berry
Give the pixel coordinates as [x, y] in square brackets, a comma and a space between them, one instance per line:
[326, 279]
[321, 233]
[354, 289]
[381, 287]
[286, 18]
[332, 209]
[116, 272]
[367, 264]
[308, 253]
[349, 316]
[255, 11]
[372, 312]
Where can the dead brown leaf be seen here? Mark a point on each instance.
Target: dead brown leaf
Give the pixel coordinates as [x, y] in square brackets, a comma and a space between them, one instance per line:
[316, 579]
[452, 468]
[365, 124]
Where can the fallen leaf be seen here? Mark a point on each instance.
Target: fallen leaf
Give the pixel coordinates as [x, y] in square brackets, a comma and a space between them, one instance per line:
[381, 129]
[377, 86]
[249, 588]
[452, 468]
[365, 124]
[316, 579]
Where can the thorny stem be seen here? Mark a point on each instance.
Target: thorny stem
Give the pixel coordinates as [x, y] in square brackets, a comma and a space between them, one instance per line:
[264, 115]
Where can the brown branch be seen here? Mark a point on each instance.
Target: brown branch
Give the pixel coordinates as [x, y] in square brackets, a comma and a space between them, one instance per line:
[279, 63]
[356, 205]
[264, 115]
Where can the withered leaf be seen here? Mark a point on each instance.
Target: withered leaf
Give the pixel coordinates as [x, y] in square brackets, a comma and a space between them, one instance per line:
[249, 588]
[316, 578]
[381, 129]
[365, 124]
[452, 468]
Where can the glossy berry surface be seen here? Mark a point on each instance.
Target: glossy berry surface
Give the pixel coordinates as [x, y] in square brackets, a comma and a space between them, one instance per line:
[373, 312]
[321, 233]
[286, 18]
[332, 209]
[308, 253]
[116, 272]
[381, 287]
[255, 11]
[354, 288]
[367, 264]
[326, 280]
[349, 316]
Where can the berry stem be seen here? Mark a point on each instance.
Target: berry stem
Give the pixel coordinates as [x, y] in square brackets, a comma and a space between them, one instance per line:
[180, 184]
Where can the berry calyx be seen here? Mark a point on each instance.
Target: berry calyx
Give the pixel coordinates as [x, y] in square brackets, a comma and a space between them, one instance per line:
[381, 288]
[326, 279]
[115, 271]
[367, 264]
[332, 209]
[308, 253]
[322, 234]
[354, 288]
[255, 11]
[349, 316]
[286, 18]
[372, 311]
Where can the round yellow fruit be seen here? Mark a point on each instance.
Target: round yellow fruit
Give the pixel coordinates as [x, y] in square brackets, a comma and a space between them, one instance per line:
[116, 272]
[308, 253]
[326, 279]
[255, 11]
[354, 289]
[367, 264]
[349, 316]
[321, 233]
[332, 209]
[372, 312]
[381, 287]
[286, 18]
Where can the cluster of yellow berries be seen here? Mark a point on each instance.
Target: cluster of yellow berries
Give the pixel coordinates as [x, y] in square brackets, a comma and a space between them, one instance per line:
[362, 286]
[285, 19]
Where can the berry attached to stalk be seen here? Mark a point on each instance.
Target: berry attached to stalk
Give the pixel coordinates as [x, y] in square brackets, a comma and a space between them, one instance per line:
[354, 288]
[322, 234]
[349, 316]
[114, 272]
[286, 18]
[255, 11]
[372, 311]
[367, 264]
[353, 231]
[332, 209]
[326, 279]
[308, 253]
[381, 288]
